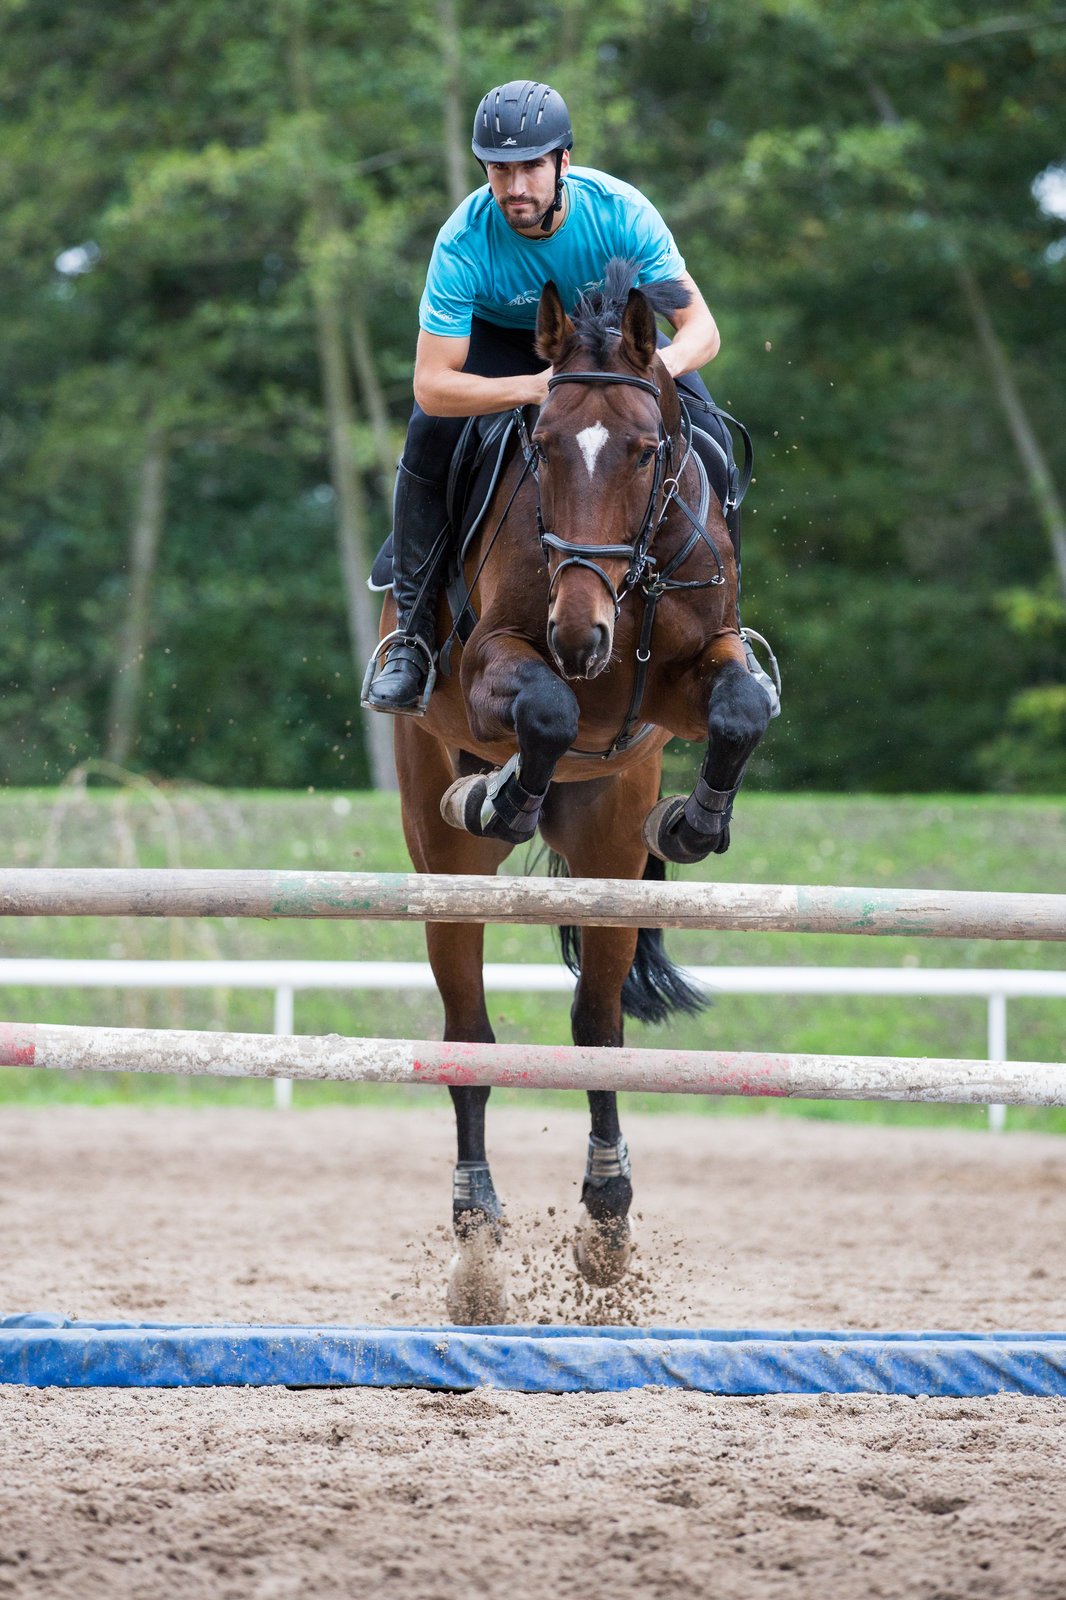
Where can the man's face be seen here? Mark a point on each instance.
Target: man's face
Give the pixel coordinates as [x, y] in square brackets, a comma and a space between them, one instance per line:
[524, 190]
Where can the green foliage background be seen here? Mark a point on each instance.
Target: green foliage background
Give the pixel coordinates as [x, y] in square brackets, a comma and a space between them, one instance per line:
[824, 167]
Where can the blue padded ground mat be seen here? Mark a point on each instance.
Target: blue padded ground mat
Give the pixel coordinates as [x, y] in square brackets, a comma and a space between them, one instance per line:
[44, 1350]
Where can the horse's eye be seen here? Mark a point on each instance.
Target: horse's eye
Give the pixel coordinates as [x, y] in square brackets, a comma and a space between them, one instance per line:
[646, 456]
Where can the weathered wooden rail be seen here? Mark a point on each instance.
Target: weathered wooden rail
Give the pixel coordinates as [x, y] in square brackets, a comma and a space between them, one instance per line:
[530, 1066]
[590, 902]
[427, 898]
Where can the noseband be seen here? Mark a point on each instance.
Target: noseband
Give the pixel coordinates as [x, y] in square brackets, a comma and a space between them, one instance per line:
[641, 569]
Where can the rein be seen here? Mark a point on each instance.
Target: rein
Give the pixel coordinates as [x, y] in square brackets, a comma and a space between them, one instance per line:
[643, 571]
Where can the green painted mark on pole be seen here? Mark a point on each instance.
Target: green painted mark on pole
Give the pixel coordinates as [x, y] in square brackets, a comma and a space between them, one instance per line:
[341, 894]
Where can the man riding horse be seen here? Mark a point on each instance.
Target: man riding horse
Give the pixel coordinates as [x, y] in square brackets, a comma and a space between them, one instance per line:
[537, 219]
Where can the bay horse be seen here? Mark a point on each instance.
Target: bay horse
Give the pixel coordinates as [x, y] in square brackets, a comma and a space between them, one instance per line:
[605, 589]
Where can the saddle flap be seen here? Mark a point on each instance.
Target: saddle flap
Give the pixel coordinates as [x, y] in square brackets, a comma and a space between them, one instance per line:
[475, 470]
[380, 579]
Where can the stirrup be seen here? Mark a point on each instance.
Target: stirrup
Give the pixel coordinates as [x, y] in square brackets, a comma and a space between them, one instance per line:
[769, 682]
[399, 636]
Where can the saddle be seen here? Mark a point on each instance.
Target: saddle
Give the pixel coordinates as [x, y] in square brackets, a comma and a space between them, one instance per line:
[484, 448]
[479, 459]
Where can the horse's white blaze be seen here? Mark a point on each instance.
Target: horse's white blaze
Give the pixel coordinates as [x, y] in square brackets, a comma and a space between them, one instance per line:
[591, 441]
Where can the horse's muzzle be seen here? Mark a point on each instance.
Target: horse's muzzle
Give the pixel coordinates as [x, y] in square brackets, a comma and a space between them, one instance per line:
[581, 656]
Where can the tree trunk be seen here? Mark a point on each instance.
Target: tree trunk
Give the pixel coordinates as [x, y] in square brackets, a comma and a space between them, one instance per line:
[1041, 483]
[353, 543]
[1034, 463]
[372, 397]
[145, 537]
[455, 145]
[352, 522]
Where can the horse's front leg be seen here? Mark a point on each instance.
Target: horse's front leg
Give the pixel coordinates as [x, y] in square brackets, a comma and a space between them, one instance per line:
[514, 695]
[689, 829]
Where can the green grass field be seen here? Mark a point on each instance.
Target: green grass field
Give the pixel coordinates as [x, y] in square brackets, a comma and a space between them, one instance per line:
[946, 842]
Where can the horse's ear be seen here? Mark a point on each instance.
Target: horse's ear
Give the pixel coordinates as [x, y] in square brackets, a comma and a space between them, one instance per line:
[640, 336]
[554, 327]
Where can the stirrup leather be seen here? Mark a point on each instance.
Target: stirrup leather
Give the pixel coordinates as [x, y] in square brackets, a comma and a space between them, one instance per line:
[399, 636]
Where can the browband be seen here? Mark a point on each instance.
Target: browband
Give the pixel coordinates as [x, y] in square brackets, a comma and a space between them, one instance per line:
[605, 377]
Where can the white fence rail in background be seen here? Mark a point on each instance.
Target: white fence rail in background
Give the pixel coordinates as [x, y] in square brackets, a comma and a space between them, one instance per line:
[994, 985]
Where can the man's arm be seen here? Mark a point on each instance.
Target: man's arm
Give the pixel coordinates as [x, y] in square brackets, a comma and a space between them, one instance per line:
[696, 337]
[443, 389]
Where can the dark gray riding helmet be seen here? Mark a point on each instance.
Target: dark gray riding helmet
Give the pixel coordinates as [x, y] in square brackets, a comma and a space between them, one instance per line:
[520, 121]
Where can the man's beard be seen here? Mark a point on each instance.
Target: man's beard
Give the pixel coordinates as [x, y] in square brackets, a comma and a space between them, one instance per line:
[520, 220]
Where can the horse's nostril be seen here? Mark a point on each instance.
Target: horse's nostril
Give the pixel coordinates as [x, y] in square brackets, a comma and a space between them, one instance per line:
[582, 654]
[600, 646]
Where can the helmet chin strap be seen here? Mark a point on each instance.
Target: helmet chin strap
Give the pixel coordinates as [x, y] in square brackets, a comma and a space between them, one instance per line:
[557, 203]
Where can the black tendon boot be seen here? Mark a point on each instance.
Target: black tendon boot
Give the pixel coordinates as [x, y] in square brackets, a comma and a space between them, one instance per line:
[769, 682]
[403, 682]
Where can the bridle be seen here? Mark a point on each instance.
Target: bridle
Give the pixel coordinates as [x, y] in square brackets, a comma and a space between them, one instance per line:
[642, 568]
[643, 571]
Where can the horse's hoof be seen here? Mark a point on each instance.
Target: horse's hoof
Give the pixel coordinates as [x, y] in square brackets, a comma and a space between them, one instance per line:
[477, 1282]
[661, 836]
[657, 821]
[603, 1250]
[467, 804]
[461, 802]
[656, 831]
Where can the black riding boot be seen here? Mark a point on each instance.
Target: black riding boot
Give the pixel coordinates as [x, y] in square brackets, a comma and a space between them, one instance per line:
[403, 683]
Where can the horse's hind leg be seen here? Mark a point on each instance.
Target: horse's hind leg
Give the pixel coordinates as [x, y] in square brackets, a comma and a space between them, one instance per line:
[603, 1237]
[592, 825]
[477, 1275]
[477, 1291]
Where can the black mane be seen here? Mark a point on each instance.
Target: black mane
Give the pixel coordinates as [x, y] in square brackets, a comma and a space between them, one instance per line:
[598, 315]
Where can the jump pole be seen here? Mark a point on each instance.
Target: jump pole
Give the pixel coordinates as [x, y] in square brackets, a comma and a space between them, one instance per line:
[44, 1350]
[587, 902]
[525, 1066]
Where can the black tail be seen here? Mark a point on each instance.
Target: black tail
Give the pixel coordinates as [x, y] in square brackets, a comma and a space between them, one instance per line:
[654, 988]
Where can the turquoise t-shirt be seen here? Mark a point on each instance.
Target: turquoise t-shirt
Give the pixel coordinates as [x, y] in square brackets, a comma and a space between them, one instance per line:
[480, 267]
